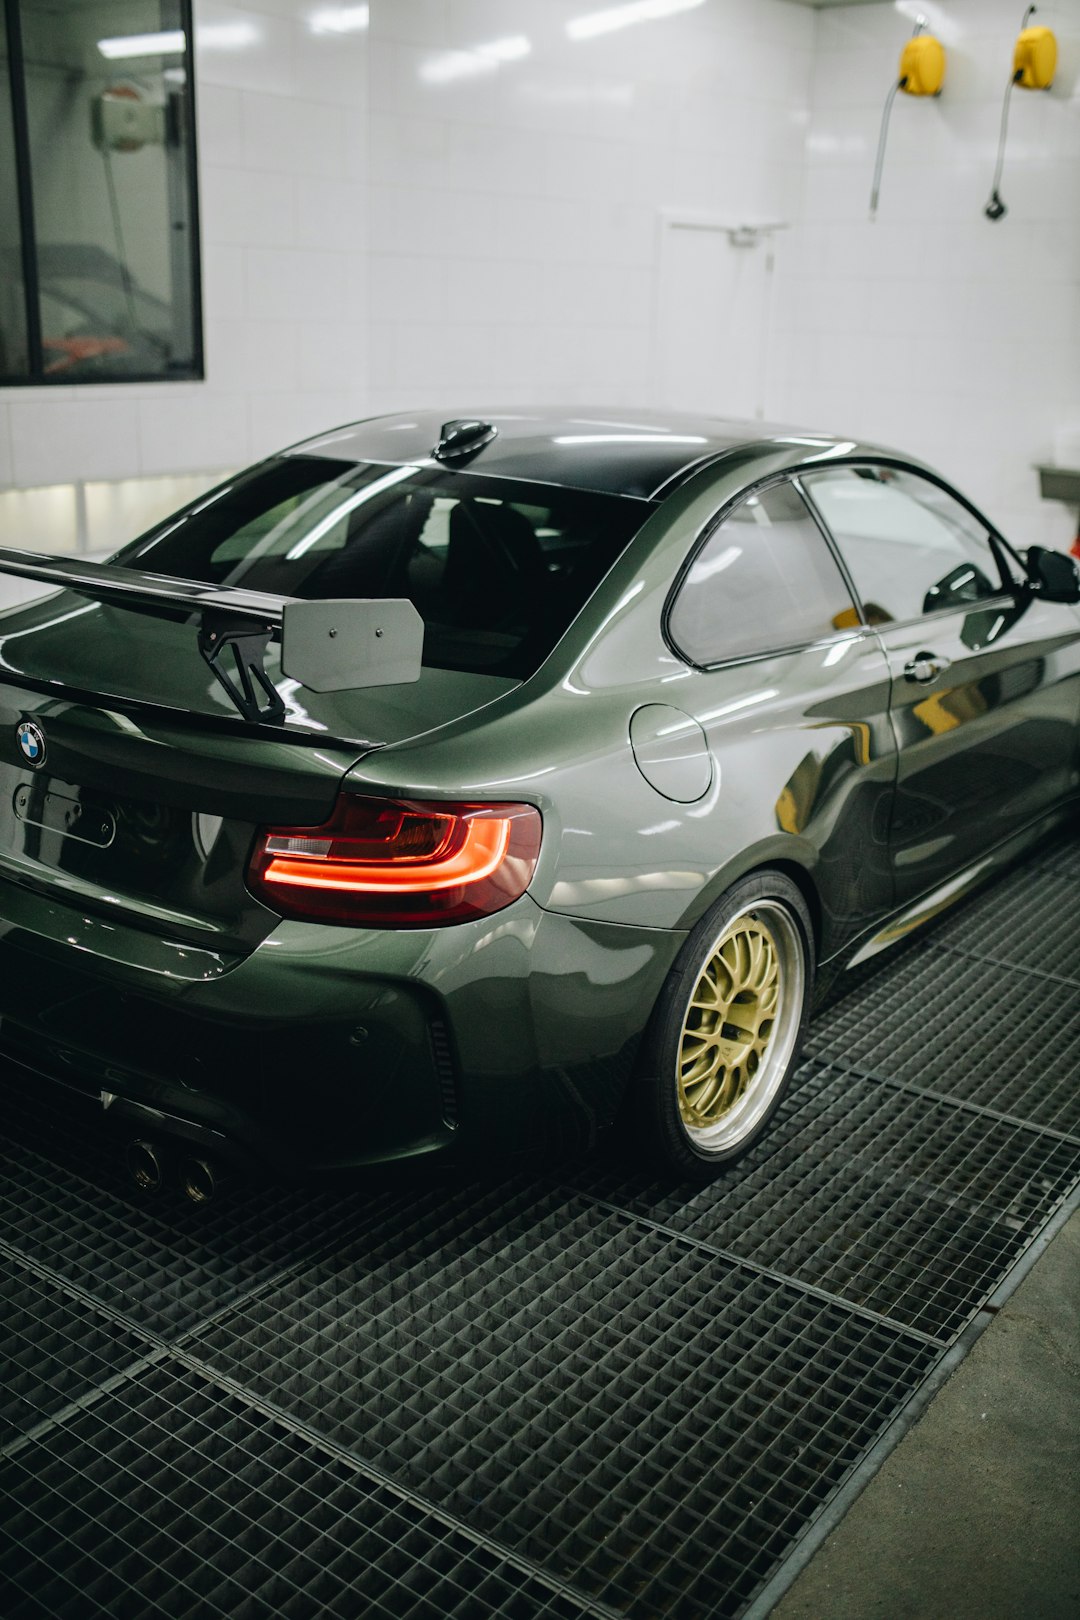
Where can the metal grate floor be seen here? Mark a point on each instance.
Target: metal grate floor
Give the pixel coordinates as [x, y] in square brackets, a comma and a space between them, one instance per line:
[548, 1395]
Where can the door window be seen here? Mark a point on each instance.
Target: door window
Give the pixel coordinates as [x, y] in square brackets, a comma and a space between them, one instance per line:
[764, 581]
[911, 547]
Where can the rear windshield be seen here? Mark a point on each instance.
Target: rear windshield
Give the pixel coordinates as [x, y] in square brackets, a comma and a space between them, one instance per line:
[497, 569]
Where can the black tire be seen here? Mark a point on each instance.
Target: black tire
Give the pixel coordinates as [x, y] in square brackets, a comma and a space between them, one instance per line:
[704, 1090]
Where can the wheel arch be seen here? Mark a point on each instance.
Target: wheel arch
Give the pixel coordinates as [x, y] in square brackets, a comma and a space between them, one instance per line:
[795, 863]
[806, 887]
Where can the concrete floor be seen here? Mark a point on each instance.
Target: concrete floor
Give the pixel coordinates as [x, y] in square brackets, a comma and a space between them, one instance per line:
[976, 1514]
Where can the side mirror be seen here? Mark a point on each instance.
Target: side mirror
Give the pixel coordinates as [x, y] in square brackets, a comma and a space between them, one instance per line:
[960, 586]
[1054, 577]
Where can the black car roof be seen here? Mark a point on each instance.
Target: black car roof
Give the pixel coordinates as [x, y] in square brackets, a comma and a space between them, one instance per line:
[620, 452]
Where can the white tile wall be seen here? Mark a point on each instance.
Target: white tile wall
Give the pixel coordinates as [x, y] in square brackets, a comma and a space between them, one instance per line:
[933, 327]
[87, 434]
[376, 237]
[7, 457]
[514, 212]
[191, 427]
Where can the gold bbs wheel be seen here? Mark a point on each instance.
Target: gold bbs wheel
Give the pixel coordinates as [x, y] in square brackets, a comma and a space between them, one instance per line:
[740, 1027]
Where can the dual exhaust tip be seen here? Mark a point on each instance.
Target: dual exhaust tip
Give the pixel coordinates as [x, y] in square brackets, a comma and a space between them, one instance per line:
[150, 1168]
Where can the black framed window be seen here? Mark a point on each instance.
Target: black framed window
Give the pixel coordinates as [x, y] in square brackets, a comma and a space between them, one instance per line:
[764, 581]
[99, 260]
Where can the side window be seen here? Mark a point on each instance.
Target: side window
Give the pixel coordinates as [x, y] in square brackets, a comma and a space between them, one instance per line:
[910, 546]
[765, 580]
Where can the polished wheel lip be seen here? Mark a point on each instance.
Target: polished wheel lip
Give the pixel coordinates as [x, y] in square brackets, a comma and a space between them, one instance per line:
[771, 984]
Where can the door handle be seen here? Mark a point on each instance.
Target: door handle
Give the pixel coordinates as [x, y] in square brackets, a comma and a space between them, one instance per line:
[925, 667]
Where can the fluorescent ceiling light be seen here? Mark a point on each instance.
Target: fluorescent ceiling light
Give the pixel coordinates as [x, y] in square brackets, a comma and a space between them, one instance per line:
[225, 36]
[477, 59]
[511, 49]
[639, 11]
[169, 43]
[456, 65]
[340, 20]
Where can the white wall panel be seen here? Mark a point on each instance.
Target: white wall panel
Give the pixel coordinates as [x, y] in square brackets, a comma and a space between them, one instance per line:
[537, 186]
[224, 281]
[221, 126]
[186, 428]
[87, 437]
[374, 237]
[968, 331]
[260, 53]
[7, 459]
[276, 420]
[248, 208]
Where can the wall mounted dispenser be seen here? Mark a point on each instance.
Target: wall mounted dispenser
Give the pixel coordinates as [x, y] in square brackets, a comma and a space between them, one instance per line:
[1034, 65]
[922, 73]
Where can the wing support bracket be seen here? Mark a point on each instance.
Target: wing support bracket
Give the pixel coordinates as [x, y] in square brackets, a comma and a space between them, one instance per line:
[234, 650]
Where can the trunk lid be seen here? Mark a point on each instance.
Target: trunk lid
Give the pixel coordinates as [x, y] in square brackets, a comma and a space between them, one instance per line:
[150, 656]
[144, 806]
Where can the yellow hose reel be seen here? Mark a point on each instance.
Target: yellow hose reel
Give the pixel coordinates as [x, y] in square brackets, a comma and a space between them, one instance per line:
[922, 66]
[1035, 59]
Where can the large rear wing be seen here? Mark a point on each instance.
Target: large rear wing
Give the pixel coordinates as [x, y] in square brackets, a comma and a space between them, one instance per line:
[328, 646]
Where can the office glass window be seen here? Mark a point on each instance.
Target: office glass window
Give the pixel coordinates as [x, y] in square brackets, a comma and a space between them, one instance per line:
[14, 359]
[100, 229]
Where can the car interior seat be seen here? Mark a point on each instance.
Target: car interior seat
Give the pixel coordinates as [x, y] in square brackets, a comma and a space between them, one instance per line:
[495, 567]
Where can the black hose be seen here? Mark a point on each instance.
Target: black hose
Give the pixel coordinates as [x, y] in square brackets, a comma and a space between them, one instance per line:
[995, 208]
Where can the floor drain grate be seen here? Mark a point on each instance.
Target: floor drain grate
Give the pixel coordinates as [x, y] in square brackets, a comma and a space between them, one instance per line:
[170, 1498]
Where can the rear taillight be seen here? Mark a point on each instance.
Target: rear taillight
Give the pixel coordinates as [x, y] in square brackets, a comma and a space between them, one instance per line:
[398, 864]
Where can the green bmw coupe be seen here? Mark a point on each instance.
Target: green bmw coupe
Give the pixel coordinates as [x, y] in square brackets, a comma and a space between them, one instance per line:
[454, 787]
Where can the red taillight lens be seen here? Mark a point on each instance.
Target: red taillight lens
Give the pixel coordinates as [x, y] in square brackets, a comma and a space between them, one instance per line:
[391, 864]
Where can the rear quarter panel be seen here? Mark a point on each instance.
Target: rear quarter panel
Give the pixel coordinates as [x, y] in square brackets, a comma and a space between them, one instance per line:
[802, 757]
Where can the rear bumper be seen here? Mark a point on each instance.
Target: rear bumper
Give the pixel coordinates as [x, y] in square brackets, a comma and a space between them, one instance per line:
[132, 1119]
[331, 1047]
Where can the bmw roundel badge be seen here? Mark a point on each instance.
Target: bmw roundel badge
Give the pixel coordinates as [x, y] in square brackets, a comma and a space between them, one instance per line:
[31, 741]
